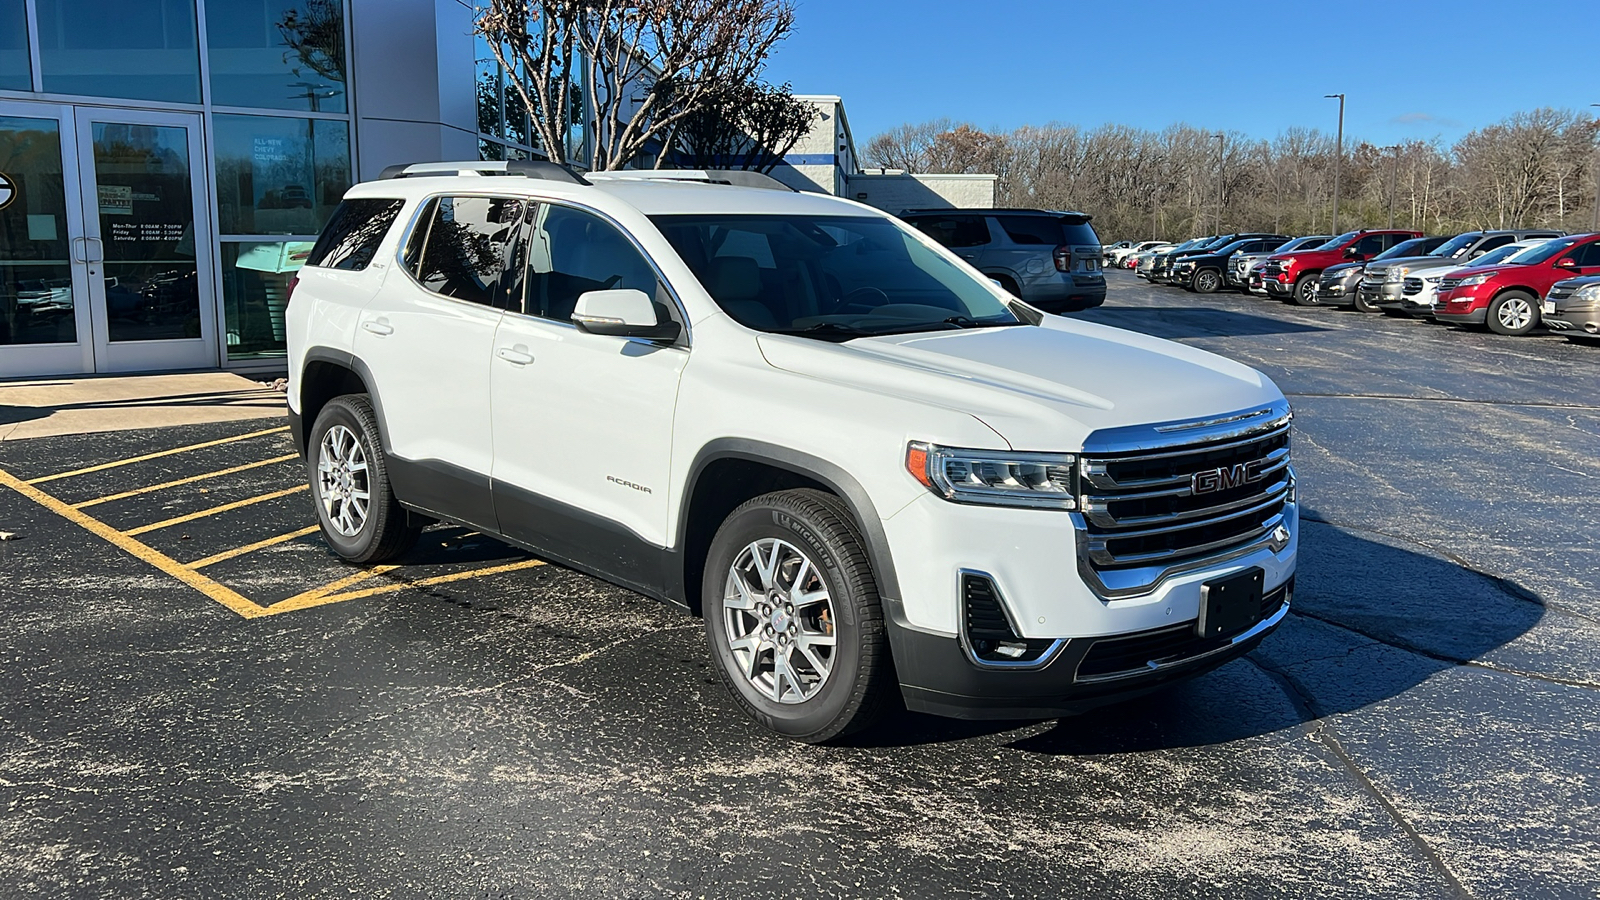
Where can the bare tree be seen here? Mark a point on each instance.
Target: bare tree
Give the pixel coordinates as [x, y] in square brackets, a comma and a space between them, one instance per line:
[636, 68]
[905, 146]
[747, 126]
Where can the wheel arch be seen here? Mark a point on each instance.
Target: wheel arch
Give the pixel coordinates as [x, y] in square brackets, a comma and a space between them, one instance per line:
[328, 373]
[727, 472]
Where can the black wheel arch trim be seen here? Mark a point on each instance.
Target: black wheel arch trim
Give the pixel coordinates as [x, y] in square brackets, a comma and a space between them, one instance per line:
[347, 360]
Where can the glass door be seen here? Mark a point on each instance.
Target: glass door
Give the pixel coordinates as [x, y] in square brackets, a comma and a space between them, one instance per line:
[45, 326]
[146, 241]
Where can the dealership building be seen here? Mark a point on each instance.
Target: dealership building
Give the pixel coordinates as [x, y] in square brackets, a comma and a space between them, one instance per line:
[165, 165]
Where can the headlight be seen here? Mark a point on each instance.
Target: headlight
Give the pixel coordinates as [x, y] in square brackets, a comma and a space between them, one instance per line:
[1396, 274]
[1286, 262]
[1473, 279]
[994, 477]
[1589, 293]
[1434, 279]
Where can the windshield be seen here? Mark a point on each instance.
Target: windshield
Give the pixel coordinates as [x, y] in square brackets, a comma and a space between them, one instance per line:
[834, 277]
[1542, 253]
[1339, 241]
[1413, 247]
[1500, 254]
[1458, 244]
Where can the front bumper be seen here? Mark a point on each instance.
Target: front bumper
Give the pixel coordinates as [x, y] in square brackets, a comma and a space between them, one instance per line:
[1442, 313]
[1333, 292]
[1277, 288]
[1574, 318]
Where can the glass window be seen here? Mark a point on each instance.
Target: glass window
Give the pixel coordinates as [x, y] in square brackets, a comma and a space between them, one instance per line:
[1370, 244]
[1493, 243]
[1541, 252]
[16, 71]
[138, 49]
[279, 54]
[572, 252]
[1587, 256]
[278, 175]
[954, 231]
[36, 302]
[470, 248]
[834, 277]
[255, 291]
[353, 235]
[1031, 229]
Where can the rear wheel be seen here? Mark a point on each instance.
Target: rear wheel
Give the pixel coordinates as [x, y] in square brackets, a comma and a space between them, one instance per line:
[1206, 281]
[356, 507]
[793, 618]
[1513, 313]
[1305, 291]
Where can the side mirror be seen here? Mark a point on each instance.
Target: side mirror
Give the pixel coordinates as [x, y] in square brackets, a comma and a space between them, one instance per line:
[1352, 253]
[622, 313]
[1476, 253]
[1566, 262]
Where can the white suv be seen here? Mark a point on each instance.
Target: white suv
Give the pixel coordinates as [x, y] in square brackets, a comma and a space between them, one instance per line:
[874, 473]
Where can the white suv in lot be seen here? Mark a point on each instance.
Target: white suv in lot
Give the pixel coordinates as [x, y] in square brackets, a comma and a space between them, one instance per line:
[877, 476]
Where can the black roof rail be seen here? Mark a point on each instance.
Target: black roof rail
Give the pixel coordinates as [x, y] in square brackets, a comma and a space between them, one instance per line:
[526, 168]
[732, 177]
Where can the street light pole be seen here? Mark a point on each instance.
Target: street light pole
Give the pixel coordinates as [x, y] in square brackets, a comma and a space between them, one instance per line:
[1394, 174]
[1338, 159]
[1221, 155]
[1596, 223]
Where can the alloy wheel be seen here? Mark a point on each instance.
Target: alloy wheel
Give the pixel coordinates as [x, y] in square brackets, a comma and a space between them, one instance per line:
[344, 487]
[1205, 282]
[1515, 314]
[777, 614]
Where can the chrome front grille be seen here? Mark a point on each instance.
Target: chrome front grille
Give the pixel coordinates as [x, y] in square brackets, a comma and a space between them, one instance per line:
[1411, 287]
[1166, 505]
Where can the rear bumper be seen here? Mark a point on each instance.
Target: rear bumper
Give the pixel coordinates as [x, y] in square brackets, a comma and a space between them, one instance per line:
[1066, 297]
[937, 677]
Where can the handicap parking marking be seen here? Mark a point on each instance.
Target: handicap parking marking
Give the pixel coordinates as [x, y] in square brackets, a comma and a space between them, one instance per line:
[157, 455]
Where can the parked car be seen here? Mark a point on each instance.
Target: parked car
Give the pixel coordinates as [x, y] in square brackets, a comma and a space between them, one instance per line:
[1421, 287]
[1049, 259]
[1384, 285]
[1157, 262]
[1106, 250]
[1244, 265]
[1118, 256]
[1340, 285]
[1161, 273]
[1572, 307]
[1505, 297]
[1132, 260]
[1293, 276]
[1203, 272]
[797, 417]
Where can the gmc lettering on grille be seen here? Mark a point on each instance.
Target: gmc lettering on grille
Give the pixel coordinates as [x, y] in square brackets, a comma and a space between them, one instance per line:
[1225, 477]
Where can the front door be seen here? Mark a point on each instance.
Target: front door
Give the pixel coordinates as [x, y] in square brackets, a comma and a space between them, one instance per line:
[146, 241]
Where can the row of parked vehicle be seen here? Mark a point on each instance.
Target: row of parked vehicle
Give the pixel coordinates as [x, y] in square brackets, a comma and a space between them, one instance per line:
[1509, 281]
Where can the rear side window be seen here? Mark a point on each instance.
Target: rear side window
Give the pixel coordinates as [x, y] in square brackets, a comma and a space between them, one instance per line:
[954, 231]
[354, 233]
[1587, 256]
[1031, 229]
[471, 249]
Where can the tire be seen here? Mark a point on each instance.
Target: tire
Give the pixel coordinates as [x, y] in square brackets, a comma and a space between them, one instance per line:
[1363, 306]
[1206, 281]
[344, 457]
[826, 693]
[1305, 291]
[1513, 313]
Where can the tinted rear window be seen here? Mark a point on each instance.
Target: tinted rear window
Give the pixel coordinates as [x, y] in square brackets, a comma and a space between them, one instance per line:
[354, 233]
[1048, 230]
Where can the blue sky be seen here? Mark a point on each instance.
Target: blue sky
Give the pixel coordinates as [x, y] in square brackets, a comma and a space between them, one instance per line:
[1410, 70]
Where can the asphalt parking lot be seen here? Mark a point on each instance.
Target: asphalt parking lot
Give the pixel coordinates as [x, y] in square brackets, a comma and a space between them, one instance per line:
[201, 701]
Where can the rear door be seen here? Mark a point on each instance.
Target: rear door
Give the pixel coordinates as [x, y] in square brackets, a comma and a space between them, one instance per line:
[428, 338]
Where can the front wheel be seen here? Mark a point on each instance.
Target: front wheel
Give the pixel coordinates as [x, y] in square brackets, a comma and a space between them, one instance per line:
[356, 507]
[793, 618]
[1513, 313]
[1206, 281]
[1305, 291]
[1364, 305]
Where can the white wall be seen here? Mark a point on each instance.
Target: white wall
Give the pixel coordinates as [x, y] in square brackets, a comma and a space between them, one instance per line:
[897, 192]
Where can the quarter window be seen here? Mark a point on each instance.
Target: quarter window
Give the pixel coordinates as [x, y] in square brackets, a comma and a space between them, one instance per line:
[470, 248]
[572, 252]
[352, 237]
[1031, 229]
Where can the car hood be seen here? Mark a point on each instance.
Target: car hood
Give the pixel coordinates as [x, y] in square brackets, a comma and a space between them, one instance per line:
[1342, 269]
[1041, 388]
[1434, 264]
[1491, 271]
[1412, 262]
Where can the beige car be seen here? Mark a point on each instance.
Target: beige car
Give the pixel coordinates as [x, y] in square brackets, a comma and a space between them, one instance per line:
[1572, 307]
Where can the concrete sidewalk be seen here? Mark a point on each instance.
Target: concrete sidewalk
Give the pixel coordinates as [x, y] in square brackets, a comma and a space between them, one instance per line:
[44, 407]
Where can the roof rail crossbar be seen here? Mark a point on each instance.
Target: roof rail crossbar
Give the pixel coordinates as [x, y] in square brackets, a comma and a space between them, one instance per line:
[732, 177]
[526, 168]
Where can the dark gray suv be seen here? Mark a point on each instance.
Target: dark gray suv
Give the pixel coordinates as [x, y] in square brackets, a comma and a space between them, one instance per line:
[1049, 259]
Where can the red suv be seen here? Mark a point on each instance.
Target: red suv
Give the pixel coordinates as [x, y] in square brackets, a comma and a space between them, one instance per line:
[1293, 276]
[1506, 297]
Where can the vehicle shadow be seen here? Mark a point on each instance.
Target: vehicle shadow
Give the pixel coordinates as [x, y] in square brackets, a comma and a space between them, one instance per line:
[1352, 591]
[1190, 321]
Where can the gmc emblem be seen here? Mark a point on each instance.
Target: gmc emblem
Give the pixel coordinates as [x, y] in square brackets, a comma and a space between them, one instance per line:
[1225, 477]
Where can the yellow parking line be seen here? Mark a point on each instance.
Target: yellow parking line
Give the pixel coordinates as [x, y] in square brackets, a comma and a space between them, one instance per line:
[181, 481]
[123, 462]
[250, 548]
[322, 596]
[142, 529]
[212, 589]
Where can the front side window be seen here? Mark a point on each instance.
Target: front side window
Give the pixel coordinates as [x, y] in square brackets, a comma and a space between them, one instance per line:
[470, 248]
[954, 231]
[833, 277]
[572, 252]
[1587, 256]
[1372, 243]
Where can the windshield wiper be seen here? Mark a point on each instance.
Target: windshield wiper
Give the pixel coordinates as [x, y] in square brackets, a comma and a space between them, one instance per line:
[969, 322]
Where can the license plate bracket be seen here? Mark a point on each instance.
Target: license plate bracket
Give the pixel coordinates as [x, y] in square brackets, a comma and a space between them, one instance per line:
[1231, 605]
